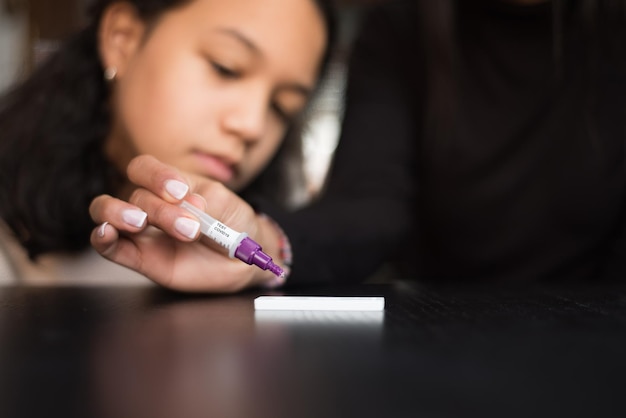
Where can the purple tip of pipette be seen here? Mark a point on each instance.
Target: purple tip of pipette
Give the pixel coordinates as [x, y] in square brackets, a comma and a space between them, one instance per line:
[277, 270]
[250, 252]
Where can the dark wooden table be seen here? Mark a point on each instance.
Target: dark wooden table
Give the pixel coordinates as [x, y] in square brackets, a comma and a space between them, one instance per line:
[435, 352]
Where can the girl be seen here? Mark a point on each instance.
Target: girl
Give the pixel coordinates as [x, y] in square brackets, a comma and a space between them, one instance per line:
[210, 87]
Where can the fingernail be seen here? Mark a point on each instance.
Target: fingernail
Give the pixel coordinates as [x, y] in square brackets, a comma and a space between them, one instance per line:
[276, 282]
[187, 227]
[102, 228]
[176, 189]
[134, 217]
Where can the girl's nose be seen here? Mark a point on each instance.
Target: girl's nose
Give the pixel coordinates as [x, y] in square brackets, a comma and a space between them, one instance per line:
[247, 117]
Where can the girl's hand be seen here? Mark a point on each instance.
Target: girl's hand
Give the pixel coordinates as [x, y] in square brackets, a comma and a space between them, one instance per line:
[152, 235]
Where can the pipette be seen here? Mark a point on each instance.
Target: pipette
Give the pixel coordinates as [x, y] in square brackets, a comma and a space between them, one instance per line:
[238, 244]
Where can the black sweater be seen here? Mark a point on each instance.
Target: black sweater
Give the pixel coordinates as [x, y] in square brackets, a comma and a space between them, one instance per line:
[497, 154]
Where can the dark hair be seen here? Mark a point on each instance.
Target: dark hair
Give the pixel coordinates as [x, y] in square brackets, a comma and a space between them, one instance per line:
[53, 127]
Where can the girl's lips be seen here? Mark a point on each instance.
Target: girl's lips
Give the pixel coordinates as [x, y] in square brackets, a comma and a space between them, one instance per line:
[214, 167]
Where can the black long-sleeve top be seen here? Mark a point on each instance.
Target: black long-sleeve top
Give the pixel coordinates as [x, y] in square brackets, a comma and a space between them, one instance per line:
[500, 158]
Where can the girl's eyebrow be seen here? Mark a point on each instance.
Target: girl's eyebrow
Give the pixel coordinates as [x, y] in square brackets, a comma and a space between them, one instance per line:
[300, 88]
[243, 39]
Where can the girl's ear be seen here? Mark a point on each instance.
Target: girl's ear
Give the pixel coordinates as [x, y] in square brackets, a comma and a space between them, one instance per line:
[120, 34]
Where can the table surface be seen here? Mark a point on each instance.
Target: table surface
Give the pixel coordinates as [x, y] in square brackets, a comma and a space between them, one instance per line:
[436, 351]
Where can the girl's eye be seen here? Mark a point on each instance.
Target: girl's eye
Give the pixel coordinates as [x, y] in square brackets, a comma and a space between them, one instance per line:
[283, 115]
[224, 71]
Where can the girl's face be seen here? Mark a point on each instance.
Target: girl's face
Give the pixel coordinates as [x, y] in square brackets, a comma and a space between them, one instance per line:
[211, 88]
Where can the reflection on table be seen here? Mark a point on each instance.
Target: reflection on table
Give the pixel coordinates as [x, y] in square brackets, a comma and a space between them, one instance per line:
[434, 351]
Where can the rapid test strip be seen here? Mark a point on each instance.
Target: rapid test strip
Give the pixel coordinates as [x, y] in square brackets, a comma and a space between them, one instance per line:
[320, 303]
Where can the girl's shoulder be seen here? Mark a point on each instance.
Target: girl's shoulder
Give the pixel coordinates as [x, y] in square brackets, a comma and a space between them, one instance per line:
[84, 268]
[8, 275]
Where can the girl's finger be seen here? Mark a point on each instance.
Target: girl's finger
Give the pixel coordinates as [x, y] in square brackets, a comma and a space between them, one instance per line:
[168, 217]
[120, 214]
[106, 240]
[162, 180]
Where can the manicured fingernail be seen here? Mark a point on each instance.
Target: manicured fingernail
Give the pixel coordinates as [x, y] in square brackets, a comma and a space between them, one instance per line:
[134, 217]
[176, 189]
[187, 227]
[102, 228]
[276, 282]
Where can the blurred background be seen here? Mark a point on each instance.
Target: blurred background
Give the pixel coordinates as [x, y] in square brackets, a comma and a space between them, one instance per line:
[31, 29]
